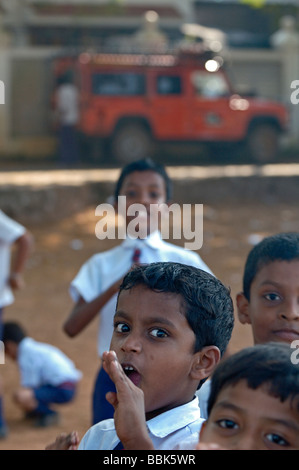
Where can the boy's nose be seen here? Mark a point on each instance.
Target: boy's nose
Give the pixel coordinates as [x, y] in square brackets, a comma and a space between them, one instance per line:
[290, 309]
[132, 343]
[144, 198]
[247, 442]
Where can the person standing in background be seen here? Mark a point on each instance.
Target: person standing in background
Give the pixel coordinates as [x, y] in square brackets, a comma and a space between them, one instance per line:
[11, 275]
[95, 287]
[67, 117]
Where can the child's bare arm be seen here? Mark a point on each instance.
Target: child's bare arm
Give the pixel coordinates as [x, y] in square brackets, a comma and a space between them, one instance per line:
[65, 442]
[23, 246]
[84, 312]
[128, 403]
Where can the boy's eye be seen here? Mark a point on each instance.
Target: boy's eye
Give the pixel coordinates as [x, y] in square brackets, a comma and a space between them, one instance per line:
[272, 296]
[277, 439]
[131, 194]
[155, 195]
[158, 333]
[227, 424]
[121, 327]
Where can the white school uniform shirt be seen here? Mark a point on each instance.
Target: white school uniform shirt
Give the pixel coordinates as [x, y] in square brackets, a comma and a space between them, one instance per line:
[68, 104]
[10, 231]
[44, 364]
[104, 269]
[203, 395]
[166, 430]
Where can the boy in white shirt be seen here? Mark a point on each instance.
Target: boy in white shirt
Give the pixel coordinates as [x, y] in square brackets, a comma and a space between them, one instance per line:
[254, 401]
[68, 114]
[12, 234]
[95, 287]
[171, 325]
[47, 375]
[269, 299]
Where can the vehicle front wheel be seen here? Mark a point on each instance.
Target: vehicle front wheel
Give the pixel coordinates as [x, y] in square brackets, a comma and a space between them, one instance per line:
[263, 143]
[131, 142]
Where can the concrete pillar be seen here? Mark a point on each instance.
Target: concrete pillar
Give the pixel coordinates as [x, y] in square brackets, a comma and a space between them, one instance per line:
[286, 40]
[5, 41]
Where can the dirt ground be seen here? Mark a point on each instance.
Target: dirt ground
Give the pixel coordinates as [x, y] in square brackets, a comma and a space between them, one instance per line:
[60, 249]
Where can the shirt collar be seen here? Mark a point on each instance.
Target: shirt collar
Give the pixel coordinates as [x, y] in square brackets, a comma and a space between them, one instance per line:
[23, 344]
[174, 419]
[154, 241]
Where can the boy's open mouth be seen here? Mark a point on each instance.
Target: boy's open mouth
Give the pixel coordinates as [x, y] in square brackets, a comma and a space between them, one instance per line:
[132, 374]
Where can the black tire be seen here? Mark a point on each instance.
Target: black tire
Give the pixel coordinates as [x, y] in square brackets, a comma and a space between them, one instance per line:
[263, 143]
[131, 142]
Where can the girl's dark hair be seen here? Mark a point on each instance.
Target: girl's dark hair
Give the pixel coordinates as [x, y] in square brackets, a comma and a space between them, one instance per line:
[279, 247]
[144, 165]
[267, 364]
[208, 304]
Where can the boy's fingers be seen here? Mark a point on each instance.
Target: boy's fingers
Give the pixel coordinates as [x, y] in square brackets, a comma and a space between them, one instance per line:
[113, 368]
[116, 373]
[74, 438]
[111, 397]
[208, 446]
[64, 441]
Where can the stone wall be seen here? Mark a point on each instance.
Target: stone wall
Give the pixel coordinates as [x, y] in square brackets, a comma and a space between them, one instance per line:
[40, 204]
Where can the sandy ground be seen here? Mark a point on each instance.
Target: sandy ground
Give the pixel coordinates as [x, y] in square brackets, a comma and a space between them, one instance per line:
[60, 249]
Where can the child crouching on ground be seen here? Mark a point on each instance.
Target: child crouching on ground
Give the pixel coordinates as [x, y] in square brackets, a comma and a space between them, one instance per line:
[47, 375]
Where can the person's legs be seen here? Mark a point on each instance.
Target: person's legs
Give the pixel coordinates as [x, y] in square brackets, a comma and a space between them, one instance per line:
[101, 409]
[3, 427]
[48, 394]
[25, 398]
[68, 145]
[37, 402]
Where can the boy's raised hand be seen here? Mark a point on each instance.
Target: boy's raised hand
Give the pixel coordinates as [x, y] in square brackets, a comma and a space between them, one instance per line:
[65, 442]
[128, 403]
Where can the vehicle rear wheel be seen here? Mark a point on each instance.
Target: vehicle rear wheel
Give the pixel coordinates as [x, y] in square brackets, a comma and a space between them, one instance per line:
[131, 142]
[263, 143]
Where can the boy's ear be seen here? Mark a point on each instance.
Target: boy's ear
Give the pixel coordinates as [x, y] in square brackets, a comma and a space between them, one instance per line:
[10, 348]
[202, 429]
[243, 308]
[205, 362]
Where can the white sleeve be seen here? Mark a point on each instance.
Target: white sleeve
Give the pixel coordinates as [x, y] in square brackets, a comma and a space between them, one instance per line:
[88, 282]
[192, 258]
[10, 230]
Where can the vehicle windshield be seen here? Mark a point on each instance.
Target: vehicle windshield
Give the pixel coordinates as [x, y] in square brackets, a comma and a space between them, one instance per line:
[209, 84]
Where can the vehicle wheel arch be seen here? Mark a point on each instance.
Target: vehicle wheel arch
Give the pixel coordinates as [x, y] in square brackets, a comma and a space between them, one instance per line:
[145, 135]
[262, 139]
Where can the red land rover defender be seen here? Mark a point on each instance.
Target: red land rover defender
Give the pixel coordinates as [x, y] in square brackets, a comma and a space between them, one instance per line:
[133, 101]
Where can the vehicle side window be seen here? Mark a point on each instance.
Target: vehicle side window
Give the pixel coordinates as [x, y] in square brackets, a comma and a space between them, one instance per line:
[209, 84]
[118, 84]
[169, 85]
